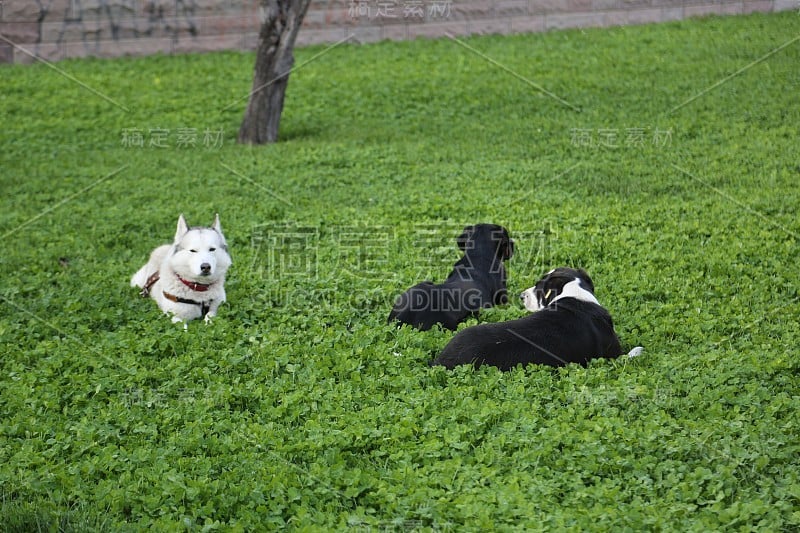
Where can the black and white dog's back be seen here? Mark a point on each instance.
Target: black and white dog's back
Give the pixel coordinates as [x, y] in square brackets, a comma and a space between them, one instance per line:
[568, 326]
[477, 280]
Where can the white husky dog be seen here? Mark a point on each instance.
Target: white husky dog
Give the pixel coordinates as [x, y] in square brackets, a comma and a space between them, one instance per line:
[187, 278]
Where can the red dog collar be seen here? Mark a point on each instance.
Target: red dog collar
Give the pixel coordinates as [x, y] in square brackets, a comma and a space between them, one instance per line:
[199, 287]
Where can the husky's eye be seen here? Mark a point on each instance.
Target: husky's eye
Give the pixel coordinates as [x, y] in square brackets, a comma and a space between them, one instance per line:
[212, 249]
[193, 251]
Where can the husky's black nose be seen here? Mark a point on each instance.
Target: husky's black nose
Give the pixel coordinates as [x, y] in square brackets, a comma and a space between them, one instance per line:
[205, 269]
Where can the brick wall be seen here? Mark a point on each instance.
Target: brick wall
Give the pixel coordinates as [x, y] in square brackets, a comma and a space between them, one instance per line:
[58, 29]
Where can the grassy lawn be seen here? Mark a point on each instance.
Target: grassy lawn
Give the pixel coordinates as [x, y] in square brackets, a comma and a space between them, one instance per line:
[663, 159]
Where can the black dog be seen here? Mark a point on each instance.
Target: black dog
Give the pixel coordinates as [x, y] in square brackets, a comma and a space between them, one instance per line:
[568, 326]
[477, 280]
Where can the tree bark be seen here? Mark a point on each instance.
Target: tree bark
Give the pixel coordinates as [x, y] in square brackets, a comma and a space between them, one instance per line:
[280, 22]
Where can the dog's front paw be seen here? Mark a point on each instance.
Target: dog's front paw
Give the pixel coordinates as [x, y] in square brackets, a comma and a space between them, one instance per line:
[208, 318]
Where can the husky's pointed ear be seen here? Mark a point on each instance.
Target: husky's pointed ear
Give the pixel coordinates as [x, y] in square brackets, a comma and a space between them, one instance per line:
[183, 228]
[216, 226]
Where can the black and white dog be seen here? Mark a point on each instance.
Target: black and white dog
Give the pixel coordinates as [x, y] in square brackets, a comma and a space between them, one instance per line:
[477, 280]
[568, 326]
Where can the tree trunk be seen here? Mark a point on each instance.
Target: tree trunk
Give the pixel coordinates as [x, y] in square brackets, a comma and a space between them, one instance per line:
[280, 22]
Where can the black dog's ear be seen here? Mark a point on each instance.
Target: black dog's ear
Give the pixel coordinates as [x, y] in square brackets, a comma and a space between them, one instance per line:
[465, 237]
[507, 248]
[585, 278]
[505, 244]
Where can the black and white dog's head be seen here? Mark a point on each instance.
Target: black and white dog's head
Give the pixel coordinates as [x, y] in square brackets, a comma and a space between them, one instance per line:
[559, 283]
[487, 236]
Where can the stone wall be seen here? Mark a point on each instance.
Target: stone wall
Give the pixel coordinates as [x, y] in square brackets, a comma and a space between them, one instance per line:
[58, 29]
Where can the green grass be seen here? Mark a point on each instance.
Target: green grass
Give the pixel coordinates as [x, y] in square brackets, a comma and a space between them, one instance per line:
[300, 407]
